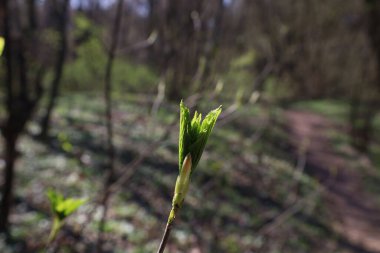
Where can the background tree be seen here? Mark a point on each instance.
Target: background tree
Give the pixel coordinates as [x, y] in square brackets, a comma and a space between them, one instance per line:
[60, 13]
[23, 91]
[365, 97]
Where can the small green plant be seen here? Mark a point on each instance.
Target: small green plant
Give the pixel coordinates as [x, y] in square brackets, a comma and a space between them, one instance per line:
[193, 136]
[61, 208]
[2, 44]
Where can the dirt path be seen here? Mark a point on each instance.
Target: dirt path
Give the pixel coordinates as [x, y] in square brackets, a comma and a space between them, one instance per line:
[356, 217]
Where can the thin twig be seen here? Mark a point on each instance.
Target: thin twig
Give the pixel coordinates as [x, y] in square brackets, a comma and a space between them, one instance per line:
[109, 122]
[165, 237]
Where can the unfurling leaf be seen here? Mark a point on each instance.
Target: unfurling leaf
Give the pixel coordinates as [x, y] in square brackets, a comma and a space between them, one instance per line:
[193, 136]
[194, 133]
[62, 207]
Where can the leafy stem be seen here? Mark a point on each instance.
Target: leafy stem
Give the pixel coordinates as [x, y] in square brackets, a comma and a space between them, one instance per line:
[193, 136]
[61, 208]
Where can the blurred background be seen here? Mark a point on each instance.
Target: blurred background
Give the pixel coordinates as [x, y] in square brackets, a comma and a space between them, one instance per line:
[90, 93]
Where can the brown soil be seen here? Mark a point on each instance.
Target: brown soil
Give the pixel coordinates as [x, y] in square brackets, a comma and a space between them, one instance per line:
[356, 218]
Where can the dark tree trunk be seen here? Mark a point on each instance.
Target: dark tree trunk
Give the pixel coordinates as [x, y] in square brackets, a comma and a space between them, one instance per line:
[214, 41]
[155, 25]
[364, 108]
[20, 103]
[6, 202]
[178, 23]
[32, 14]
[62, 16]
[182, 35]
[9, 145]
[361, 122]
[374, 31]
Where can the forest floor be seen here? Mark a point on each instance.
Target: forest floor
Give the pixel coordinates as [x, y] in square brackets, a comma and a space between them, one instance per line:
[347, 198]
[272, 179]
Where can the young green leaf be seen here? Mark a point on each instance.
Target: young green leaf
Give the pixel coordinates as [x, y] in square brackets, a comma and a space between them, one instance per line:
[194, 133]
[62, 207]
[184, 125]
[68, 206]
[55, 198]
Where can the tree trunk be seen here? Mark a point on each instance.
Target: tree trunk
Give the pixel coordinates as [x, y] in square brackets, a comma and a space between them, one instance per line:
[363, 110]
[20, 104]
[361, 123]
[214, 42]
[32, 14]
[182, 24]
[55, 85]
[373, 7]
[6, 202]
[9, 145]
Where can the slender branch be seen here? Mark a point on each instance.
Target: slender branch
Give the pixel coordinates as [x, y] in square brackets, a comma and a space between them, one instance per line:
[109, 121]
[165, 237]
